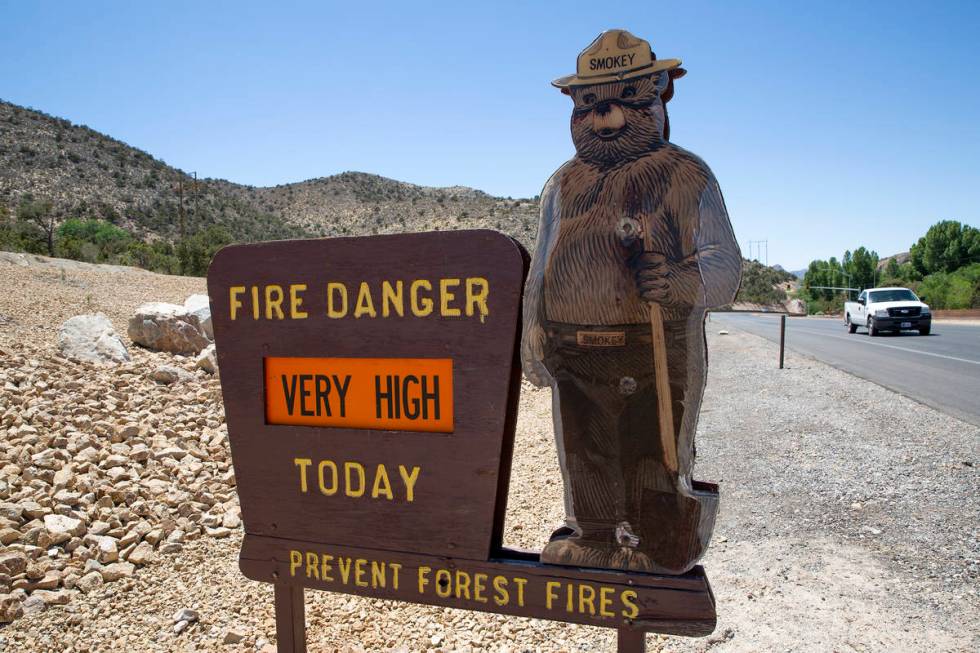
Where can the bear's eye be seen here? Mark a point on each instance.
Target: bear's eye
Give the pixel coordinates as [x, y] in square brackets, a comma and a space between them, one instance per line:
[628, 92]
[589, 98]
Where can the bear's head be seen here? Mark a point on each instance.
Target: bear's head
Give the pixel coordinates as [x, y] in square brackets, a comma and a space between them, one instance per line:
[621, 120]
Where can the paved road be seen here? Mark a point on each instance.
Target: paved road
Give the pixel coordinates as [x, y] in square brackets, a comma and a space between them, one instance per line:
[941, 369]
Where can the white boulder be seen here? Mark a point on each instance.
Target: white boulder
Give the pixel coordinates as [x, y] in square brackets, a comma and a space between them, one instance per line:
[167, 327]
[91, 338]
[200, 306]
[207, 360]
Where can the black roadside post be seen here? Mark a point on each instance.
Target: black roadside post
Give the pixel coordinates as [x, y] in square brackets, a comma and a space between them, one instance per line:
[782, 340]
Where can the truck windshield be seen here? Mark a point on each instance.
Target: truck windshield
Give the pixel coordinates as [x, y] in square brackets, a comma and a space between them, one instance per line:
[899, 295]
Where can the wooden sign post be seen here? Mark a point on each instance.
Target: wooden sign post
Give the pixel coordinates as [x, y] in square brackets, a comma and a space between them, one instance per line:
[371, 389]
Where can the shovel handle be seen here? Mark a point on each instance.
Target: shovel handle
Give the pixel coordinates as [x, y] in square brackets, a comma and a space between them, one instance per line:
[665, 411]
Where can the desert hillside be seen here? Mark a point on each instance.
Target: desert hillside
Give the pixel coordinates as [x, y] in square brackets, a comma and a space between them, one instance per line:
[89, 174]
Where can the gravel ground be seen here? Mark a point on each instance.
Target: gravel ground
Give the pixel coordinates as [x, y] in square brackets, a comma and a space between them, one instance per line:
[848, 525]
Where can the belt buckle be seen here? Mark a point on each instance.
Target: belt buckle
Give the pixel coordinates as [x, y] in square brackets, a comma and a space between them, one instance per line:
[600, 338]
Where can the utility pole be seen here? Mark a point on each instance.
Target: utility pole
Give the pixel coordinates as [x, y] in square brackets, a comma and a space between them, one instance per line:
[180, 206]
[195, 198]
[759, 244]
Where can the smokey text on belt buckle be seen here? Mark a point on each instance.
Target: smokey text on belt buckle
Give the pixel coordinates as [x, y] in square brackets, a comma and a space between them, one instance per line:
[600, 338]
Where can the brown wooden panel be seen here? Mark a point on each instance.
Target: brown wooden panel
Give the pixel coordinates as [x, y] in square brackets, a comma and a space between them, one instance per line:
[681, 605]
[460, 494]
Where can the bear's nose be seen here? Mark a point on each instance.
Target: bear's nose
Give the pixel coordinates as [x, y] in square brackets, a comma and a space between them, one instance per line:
[608, 119]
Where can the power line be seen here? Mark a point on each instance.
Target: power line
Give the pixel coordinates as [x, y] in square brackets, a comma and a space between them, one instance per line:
[759, 245]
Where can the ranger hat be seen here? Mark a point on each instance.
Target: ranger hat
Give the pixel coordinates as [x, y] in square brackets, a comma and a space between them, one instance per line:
[615, 55]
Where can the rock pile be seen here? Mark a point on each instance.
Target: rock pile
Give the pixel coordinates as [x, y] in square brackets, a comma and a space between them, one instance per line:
[104, 469]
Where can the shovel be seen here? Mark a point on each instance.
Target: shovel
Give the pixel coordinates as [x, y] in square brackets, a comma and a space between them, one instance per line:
[672, 520]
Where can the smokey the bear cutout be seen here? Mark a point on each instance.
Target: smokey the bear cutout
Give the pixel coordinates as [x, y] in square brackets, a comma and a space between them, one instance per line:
[634, 246]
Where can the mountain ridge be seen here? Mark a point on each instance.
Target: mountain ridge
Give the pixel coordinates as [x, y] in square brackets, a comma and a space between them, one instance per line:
[86, 173]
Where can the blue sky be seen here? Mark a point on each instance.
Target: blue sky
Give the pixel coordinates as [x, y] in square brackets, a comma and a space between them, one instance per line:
[829, 126]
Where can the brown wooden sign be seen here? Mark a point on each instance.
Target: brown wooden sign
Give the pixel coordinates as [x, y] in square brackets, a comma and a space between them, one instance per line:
[370, 388]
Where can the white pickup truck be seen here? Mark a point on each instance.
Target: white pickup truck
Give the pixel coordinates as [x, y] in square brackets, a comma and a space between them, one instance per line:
[887, 309]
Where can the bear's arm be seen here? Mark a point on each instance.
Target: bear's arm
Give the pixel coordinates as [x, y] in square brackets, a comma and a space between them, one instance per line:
[709, 273]
[533, 308]
[718, 256]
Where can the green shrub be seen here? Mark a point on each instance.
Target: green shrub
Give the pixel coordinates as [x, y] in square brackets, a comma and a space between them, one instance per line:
[953, 290]
[195, 252]
[95, 241]
[760, 284]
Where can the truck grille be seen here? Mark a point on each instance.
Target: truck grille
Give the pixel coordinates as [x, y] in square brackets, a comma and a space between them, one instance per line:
[906, 311]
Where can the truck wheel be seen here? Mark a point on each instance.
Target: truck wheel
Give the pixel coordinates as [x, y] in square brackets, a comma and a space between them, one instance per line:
[851, 327]
[872, 331]
[924, 331]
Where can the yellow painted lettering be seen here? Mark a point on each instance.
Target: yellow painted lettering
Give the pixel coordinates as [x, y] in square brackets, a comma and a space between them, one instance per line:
[344, 569]
[233, 302]
[632, 610]
[520, 582]
[421, 306]
[312, 565]
[273, 302]
[549, 593]
[381, 484]
[605, 601]
[462, 584]
[359, 572]
[477, 290]
[378, 576]
[410, 480]
[443, 583]
[501, 596]
[446, 297]
[586, 596]
[349, 489]
[255, 302]
[302, 463]
[326, 567]
[365, 305]
[395, 568]
[479, 586]
[423, 578]
[392, 297]
[332, 489]
[295, 301]
[569, 598]
[295, 560]
[338, 310]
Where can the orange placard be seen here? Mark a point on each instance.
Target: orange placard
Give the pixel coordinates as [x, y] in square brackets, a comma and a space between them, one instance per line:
[398, 394]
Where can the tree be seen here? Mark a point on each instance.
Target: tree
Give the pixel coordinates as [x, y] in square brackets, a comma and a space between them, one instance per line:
[195, 252]
[946, 247]
[861, 266]
[892, 269]
[40, 213]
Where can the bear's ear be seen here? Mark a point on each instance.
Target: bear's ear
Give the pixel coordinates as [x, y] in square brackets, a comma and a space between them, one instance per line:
[566, 91]
[668, 93]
